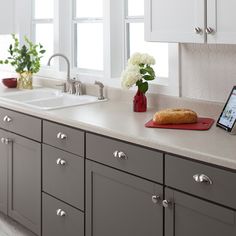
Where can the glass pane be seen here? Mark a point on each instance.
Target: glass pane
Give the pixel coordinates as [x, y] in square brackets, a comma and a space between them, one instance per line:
[5, 41]
[44, 35]
[89, 8]
[158, 50]
[44, 9]
[135, 7]
[90, 46]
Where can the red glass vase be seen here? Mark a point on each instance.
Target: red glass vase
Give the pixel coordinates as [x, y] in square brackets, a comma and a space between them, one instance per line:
[140, 102]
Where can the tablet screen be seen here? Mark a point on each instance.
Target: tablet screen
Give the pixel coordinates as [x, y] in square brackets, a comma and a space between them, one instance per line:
[228, 115]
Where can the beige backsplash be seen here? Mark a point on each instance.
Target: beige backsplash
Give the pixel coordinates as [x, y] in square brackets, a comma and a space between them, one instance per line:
[208, 72]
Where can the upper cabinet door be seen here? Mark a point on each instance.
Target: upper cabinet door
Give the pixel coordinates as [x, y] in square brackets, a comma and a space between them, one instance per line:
[221, 19]
[7, 10]
[175, 21]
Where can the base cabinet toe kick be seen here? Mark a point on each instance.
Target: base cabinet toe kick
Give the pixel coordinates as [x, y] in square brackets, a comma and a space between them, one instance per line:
[67, 181]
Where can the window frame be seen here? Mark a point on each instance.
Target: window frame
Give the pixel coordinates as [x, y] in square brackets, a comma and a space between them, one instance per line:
[75, 21]
[115, 51]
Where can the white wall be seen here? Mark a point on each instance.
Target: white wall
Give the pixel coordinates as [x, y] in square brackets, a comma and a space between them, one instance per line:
[208, 72]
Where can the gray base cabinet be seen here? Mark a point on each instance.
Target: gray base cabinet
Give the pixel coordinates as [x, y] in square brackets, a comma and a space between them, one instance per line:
[20, 182]
[187, 215]
[121, 204]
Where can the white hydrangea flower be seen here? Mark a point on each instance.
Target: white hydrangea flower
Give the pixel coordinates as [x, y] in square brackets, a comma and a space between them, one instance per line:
[130, 76]
[139, 58]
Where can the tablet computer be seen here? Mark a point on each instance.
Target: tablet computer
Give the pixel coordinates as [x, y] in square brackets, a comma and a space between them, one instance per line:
[227, 119]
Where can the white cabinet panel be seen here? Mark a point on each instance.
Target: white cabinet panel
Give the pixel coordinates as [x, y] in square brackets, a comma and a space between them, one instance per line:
[7, 13]
[221, 18]
[174, 21]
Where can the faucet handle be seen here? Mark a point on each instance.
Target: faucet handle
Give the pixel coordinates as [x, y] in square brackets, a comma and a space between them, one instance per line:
[101, 86]
[63, 85]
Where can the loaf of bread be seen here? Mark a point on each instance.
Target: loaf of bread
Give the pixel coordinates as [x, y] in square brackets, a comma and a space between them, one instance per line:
[175, 116]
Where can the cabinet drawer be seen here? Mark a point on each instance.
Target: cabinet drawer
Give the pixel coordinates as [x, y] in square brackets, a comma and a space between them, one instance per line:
[63, 176]
[24, 125]
[192, 177]
[127, 157]
[63, 137]
[60, 219]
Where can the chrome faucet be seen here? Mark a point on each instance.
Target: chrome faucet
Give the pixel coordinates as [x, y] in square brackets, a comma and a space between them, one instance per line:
[67, 61]
[70, 84]
[101, 86]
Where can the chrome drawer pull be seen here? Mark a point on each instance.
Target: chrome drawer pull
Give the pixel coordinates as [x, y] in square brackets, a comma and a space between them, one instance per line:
[7, 119]
[201, 178]
[61, 136]
[166, 203]
[6, 140]
[61, 213]
[120, 155]
[156, 199]
[198, 30]
[209, 30]
[61, 162]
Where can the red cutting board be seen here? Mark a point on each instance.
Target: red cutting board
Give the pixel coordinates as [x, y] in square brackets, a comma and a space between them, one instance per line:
[202, 124]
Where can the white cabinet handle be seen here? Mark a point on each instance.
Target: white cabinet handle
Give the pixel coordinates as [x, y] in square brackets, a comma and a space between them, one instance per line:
[61, 162]
[61, 213]
[120, 155]
[6, 140]
[7, 119]
[201, 178]
[61, 136]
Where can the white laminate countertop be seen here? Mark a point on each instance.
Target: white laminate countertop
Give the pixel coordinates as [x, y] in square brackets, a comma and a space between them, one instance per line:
[116, 119]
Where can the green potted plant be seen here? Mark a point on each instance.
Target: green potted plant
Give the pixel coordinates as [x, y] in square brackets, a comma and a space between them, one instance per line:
[25, 59]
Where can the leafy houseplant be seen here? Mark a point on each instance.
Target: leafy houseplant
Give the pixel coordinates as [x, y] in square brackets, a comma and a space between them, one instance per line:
[138, 72]
[25, 59]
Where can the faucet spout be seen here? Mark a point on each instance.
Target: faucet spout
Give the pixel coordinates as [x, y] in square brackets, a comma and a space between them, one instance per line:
[67, 62]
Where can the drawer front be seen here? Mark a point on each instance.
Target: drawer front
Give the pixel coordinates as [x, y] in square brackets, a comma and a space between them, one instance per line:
[201, 180]
[127, 157]
[63, 137]
[63, 176]
[60, 219]
[24, 125]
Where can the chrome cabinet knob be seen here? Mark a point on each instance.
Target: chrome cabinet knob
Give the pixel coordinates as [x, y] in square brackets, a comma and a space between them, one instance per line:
[209, 30]
[198, 30]
[166, 203]
[6, 140]
[156, 199]
[61, 136]
[7, 119]
[61, 213]
[201, 178]
[61, 162]
[120, 155]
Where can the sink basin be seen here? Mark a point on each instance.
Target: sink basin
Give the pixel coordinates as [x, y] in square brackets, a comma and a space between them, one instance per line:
[48, 99]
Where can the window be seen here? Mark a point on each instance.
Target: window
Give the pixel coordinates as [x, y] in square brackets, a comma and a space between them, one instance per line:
[43, 28]
[98, 36]
[134, 24]
[88, 35]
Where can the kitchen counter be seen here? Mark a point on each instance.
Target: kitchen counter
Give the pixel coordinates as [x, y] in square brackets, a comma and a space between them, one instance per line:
[116, 119]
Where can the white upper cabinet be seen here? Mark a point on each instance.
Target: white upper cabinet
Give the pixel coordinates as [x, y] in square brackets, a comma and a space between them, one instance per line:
[221, 18]
[7, 16]
[190, 21]
[174, 20]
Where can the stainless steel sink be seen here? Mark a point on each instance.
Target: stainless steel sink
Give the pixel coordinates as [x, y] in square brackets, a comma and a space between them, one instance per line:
[48, 99]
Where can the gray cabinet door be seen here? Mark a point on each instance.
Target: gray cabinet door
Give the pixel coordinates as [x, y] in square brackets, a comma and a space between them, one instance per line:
[3, 173]
[187, 215]
[24, 197]
[121, 204]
